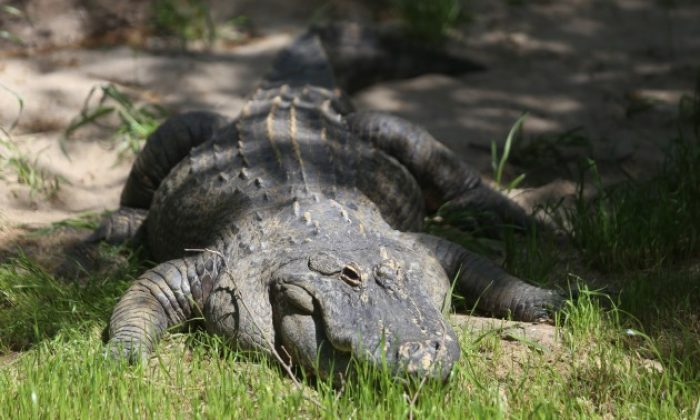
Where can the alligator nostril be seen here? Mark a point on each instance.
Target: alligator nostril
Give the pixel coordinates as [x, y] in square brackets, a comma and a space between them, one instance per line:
[431, 358]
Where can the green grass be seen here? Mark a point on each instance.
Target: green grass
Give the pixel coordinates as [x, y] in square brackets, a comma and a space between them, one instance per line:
[11, 12]
[552, 155]
[26, 170]
[428, 20]
[87, 220]
[498, 163]
[133, 123]
[642, 225]
[597, 372]
[189, 20]
[20, 108]
[35, 305]
[192, 20]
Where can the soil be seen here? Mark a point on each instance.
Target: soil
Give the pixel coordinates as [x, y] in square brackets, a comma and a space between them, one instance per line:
[614, 71]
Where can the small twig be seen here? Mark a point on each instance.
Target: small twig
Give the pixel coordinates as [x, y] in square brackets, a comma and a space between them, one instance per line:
[412, 401]
[286, 366]
[340, 391]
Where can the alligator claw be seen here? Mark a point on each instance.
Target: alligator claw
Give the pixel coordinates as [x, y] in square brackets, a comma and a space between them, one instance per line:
[128, 351]
[543, 308]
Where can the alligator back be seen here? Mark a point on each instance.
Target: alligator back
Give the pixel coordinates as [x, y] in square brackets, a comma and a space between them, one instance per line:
[290, 143]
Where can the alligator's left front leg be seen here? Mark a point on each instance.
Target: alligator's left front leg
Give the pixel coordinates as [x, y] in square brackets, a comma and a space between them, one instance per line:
[165, 296]
[444, 178]
[487, 286]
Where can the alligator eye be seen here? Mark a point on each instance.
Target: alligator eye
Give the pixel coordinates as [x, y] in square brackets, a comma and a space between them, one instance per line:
[350, 274]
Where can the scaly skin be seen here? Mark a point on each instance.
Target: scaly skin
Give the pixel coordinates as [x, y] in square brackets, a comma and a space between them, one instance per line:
[288, 231]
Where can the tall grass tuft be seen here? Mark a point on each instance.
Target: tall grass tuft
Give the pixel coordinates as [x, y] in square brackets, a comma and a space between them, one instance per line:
[135, 123]
[11, 12]
[189, 20]
[428, 20]
[35, 306]
[650, 223]
[27, 170]
[642, 224]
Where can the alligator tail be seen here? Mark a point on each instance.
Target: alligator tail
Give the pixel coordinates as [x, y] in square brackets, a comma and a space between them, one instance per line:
[302, 63]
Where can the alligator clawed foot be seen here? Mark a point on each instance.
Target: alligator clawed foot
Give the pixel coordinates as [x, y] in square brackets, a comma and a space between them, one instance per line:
[125, 351]
[119, 227]
[544, 308]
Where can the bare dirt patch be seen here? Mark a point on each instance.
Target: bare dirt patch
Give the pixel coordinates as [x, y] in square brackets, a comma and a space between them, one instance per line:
[614, 69]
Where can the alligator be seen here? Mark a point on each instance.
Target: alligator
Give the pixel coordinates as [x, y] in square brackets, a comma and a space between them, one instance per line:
[295, 230]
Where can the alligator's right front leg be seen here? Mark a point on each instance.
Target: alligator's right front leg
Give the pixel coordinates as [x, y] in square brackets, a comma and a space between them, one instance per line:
[163, 297]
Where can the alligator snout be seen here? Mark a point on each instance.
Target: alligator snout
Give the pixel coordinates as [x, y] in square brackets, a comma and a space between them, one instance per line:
[431, 358]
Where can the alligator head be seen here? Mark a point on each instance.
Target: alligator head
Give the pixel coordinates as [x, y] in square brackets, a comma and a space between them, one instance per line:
[367, 304]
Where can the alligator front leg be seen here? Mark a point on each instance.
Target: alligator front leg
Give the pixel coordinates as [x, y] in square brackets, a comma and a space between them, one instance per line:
[443, 177]
[487, 286]
[120, 226]
[163, 297]
[165, 148]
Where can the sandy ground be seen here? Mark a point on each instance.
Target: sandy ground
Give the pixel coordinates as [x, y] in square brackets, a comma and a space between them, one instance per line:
[616, 69]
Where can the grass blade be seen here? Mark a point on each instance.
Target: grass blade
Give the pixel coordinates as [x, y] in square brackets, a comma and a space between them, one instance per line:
[20, 101]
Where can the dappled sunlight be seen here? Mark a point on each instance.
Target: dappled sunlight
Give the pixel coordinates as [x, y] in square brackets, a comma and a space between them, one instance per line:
[606, 86]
